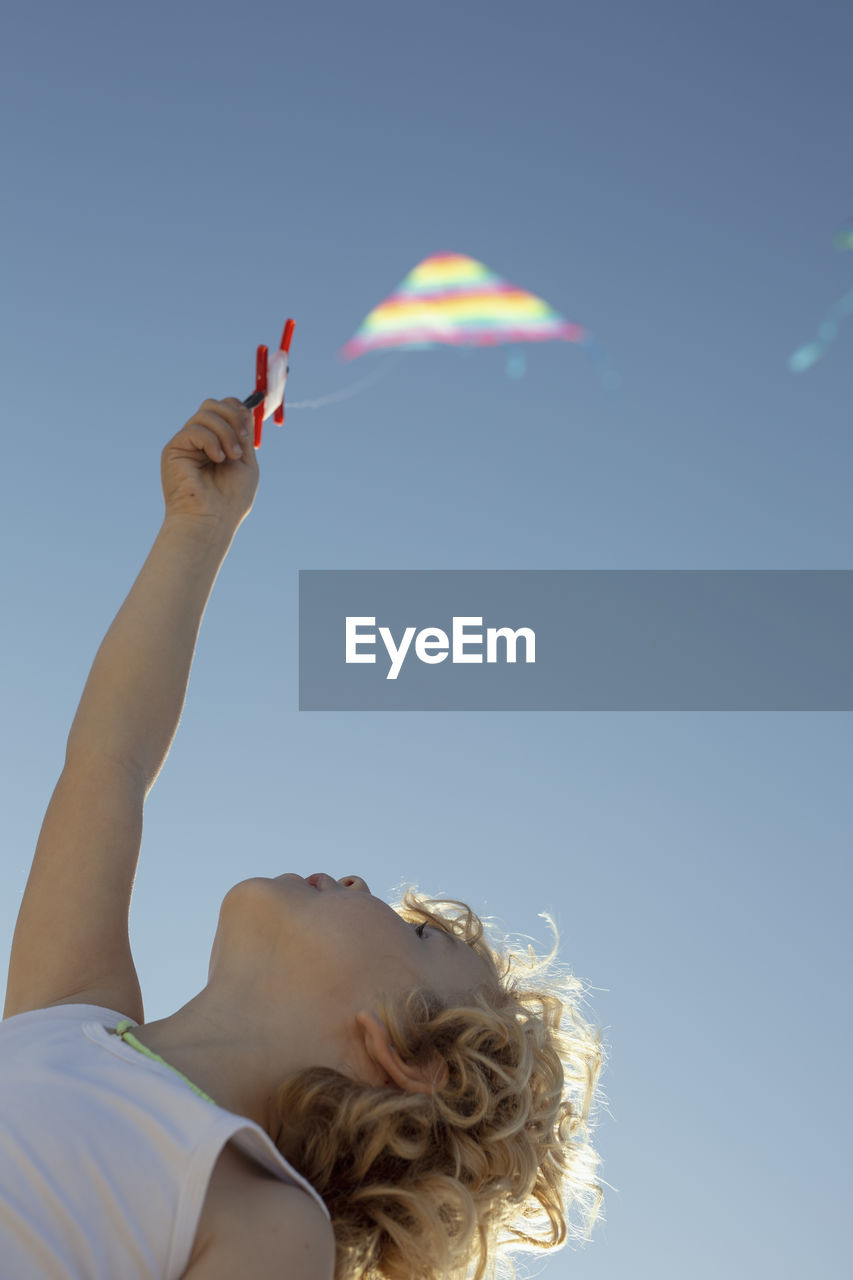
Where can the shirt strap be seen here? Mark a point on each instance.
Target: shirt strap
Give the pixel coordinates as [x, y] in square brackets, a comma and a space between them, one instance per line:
[122, 1030]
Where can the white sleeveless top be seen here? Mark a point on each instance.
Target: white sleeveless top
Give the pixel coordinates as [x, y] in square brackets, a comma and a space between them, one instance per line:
[105, 1154]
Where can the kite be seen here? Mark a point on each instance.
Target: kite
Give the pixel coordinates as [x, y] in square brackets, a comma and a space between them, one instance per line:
[804, 357]
[448, 299]
[270, 381]
[452, 300]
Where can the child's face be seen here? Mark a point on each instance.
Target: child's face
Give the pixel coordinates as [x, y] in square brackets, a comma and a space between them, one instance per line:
[341, 944]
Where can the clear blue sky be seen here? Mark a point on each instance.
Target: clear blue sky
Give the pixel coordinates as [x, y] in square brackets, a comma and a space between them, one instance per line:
[178, 178]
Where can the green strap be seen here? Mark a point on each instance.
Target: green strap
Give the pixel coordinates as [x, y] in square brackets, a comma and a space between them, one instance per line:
[124, 1033]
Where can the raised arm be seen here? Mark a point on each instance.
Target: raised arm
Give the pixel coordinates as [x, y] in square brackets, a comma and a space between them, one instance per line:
[71, 941]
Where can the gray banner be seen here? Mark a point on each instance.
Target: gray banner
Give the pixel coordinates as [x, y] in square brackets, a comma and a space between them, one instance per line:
[576, 640]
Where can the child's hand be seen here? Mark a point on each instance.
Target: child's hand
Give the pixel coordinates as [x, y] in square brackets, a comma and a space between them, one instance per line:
[210, 467]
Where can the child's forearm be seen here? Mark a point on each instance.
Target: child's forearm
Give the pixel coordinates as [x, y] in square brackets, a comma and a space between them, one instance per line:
[132, 701]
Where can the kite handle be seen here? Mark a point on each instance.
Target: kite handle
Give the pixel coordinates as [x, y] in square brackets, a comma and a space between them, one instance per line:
[257, 400]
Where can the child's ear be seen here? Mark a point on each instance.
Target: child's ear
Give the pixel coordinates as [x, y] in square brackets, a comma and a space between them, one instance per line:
[385, 1058]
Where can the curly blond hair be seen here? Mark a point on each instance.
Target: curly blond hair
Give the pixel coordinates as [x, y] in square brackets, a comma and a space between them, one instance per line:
[422, 1186]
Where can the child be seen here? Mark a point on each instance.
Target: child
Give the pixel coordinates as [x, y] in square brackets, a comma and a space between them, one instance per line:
[358, 1091]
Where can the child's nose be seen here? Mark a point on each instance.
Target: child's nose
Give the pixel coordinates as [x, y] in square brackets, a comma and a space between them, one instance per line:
[354, 882]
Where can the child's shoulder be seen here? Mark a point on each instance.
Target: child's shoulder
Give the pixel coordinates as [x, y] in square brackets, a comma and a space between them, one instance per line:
[254, 1223]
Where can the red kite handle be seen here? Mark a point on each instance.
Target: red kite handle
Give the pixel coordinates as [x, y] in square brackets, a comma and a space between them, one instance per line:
[256, 399]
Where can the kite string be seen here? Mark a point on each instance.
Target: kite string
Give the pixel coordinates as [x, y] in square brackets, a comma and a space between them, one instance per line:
[382, 372]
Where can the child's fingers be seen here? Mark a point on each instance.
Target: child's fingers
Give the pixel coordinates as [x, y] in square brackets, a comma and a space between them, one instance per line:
[225, 424]
[202, 438]
[241, 418]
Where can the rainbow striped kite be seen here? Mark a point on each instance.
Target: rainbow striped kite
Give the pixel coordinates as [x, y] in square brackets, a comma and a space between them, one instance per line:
[454, 300]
